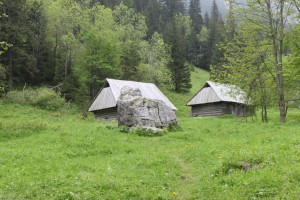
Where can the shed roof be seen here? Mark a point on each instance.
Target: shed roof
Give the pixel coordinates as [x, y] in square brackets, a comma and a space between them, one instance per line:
[217, 92]
[108, 97]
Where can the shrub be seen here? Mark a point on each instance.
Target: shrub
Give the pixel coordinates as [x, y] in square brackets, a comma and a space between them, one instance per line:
[44, 98]
[148, 132]
[174, 127]
[15, 97]
[48, 99]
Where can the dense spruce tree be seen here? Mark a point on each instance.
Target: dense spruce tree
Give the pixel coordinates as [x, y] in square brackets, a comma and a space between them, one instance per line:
[140, 5]
[18, 59]
[171, 8]
[197, 23]
[178, 34]
[206, 20]
[212, 54]
[153, 13]
[195, 15]
[230, 22]
[39, 47]
[113, 3]
[213, 29]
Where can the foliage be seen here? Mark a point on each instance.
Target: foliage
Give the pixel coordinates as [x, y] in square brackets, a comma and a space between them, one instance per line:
[76, 44]
[43, 98]
[179, 31]
[270, 19]
[103, 48]
[3, 47]
[216, 35]
[292, 70]
[70, 86]
[18, 58]
[2, 80]
[247, 64]
[147, 132]
[155, 57]
[195, 45]
[83, 42]
[133, 29]
[48, 99]
[254, 53]
[82, 99]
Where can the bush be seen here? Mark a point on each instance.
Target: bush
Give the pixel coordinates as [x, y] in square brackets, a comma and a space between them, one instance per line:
[48, 99]
[15, 97]
[44, 98]
[148, 132]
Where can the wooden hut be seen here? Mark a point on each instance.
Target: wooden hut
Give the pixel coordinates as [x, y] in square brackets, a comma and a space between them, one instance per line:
[105, 104]
[216, 99]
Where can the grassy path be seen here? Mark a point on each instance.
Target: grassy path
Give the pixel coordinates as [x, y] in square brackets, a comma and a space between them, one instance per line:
[186, 178]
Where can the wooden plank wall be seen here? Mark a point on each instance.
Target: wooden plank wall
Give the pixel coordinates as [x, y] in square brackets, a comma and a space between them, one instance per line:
[109, 113]
[236, 109]
[217, 109]
[212, 109]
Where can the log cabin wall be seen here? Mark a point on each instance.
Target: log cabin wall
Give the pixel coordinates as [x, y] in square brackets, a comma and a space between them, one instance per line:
[219, 108]
[236, 109]
[210, 109]
[108, 113]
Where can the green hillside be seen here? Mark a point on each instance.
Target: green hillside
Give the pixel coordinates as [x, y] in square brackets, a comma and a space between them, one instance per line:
[59, 155]
[199, 77]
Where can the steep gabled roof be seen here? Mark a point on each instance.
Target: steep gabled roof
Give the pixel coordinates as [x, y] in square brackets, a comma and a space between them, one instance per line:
[108, 97]
[217, 92]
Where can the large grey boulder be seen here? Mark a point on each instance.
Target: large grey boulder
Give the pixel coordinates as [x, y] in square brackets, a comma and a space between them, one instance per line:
[137, 111]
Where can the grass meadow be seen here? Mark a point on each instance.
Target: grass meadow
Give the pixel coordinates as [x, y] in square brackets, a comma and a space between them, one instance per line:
[59, 155]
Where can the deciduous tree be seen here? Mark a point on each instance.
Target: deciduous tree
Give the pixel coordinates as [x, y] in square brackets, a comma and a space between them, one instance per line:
[156, 55]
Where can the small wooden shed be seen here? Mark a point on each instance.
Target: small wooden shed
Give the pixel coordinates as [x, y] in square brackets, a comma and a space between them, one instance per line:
[105, 104]
[215, 99]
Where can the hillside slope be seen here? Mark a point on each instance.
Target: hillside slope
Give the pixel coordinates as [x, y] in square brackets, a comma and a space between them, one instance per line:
[198, 77]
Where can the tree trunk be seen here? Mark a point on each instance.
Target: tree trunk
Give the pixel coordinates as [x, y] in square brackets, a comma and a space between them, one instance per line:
[266, 114]
[264, 104]
[66, 62]
[10, 58]
[10, 69]
[279, 67]
[277, 45]
[55, 50]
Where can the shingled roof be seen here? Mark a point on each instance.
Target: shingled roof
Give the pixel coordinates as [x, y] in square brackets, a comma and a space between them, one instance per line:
[108, 97]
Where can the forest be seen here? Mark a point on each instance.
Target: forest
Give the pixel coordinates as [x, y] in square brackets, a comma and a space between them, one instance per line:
[73, 45]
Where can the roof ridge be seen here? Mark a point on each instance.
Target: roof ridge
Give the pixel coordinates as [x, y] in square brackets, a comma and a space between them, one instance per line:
[129, 81]
[208, 82]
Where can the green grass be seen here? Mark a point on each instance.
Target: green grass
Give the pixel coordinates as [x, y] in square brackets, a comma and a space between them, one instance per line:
[58, 155]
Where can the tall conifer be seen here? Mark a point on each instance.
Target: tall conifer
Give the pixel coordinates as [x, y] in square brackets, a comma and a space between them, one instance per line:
[197, 23]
